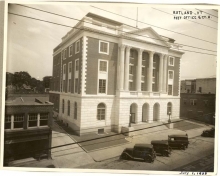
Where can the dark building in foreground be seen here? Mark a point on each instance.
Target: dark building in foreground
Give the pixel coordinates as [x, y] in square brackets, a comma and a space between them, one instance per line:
[198, 106]
[27, 132]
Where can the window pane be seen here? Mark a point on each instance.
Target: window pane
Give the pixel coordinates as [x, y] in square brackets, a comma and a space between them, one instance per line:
[103, 47]
[169, 89]
[102, 85]
[103, 66]
[77, 65]
[76, 85]
[170, 75]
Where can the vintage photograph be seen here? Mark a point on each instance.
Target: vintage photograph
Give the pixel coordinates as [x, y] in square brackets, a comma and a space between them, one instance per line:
[111, 86]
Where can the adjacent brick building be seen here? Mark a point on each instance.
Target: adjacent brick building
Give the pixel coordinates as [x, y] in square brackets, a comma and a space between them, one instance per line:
[27, 130]
[104, 79]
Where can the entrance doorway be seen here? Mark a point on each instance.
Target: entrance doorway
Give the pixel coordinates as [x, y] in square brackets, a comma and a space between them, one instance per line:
[145, 112]
[133, 113]
[156, 112]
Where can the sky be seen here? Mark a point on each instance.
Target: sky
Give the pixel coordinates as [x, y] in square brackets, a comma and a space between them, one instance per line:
[31, 43]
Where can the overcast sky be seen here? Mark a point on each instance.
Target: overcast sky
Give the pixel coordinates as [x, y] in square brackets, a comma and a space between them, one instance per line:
[31, 42]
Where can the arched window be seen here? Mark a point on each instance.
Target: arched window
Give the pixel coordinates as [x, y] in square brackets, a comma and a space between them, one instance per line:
[101, 111]
[75, 110]
[169, 108]
[68, 108]
[63, 107]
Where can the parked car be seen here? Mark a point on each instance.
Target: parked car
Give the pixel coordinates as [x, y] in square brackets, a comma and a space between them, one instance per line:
[140, 151]
[161, 147]
[178, 141]
[209, 133]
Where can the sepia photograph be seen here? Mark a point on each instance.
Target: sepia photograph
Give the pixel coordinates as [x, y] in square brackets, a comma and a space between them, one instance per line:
[111, 87]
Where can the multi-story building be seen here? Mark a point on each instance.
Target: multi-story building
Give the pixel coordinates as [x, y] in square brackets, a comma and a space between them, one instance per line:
[199, 85]
[107, 75]
[27, 132]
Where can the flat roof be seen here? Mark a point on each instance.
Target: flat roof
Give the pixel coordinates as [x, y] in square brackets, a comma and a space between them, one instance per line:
[143, 145]
[160, 142]
[179, 135]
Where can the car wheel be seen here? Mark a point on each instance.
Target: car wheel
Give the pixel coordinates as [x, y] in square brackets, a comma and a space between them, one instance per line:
[124, 156]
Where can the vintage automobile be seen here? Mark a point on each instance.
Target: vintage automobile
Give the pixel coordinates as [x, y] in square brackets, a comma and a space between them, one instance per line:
[161, 147]
[209, 132]
[140, 151]
[178, 141]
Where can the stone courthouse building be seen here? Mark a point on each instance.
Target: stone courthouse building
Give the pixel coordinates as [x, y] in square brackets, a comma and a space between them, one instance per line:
[107, 75]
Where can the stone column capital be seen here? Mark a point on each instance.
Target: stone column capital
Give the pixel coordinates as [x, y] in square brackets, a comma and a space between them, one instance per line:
[151, 53]
[122, 46]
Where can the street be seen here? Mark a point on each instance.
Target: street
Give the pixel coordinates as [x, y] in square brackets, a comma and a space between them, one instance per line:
[199, 147]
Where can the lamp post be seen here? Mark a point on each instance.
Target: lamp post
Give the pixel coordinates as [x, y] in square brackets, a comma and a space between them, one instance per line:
[169, 113]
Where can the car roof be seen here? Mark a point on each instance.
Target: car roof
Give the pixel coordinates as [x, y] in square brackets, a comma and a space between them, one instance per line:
[160, 142]
[179, 135]
[143, 145]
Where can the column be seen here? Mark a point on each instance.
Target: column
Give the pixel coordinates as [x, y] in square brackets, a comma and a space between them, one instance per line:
[150, 71]
[139, 68]
[165, 74]
[127, 62]
[161, 73]
[122, 53]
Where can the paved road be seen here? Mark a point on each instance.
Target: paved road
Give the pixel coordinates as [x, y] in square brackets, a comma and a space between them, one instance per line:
[199, 147]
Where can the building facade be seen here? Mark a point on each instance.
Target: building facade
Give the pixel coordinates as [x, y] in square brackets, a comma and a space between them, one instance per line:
[27, 132]
[104, 79]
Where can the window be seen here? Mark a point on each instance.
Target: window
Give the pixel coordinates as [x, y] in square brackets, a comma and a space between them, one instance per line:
[7, 121]
[101, 111]
[131, 69]
[170, 89]
[70, 67]
[75, 110]
[154, 73]
[132, 54]
[103, 66]
[171, 61]
[64, 54]
[18, 120]
[70, 50]
[193, 102]
[77, 65]
[143, 71]
[170, 74]
[63, 85]
[32, 120]
[69, 85]
[184, 101]
[76, 85]
[153, 87]
[103, 47]
[206, 102]
[142, 86]
[68, 108]
[130, 85]
[63, 106]
[200, 89]
[44, 119]
[64, 69]
[169, 108]
[77, 47]
[102, 86]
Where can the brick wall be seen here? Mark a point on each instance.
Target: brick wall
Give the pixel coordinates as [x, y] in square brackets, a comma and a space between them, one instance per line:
[207, 85]
[93, 56]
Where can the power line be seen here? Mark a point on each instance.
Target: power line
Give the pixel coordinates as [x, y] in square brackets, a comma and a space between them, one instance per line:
[207, 13]
[118, 30]
[197, 52]
[185, 19]
[156, 26]
[76, 27]
[58, 146]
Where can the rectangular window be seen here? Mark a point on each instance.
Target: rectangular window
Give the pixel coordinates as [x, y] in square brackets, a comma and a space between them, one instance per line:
[184, 101]
[154, 73]
[103, 66]
[77, 47]
[64, 69]
[18, 121]
[143, 71]
[76, 85]
[63, 85]
[7, 121]
[142, 86]
[32, 120]
[69, 85]
[200, 89]
[170, 90]
[70, 67]
[102, 86]
[170, 74]
[206, 102]
[103, 47]
[64, 54]
[171, 61]
[77, 65]
[131, 69]
[70, 50]
[193, 102]
[44, 119]
[153, 87]
[132, 54]
[130, 85]
[101, 114]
